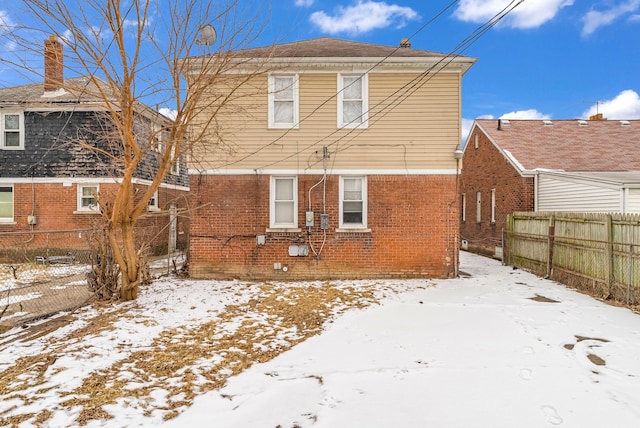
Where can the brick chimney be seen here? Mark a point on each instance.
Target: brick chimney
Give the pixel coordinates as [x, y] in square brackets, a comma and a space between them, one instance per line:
[53, 68]
[405, 43]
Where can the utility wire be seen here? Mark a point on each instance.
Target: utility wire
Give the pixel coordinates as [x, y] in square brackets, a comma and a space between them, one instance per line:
[315, 110]
[416, 83]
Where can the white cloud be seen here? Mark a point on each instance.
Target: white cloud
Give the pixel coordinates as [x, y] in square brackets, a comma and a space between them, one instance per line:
[362, 17]
[626, 105]
[595, 19]
[529, 14]
[526, 114]
[304, 3]
[171, 114]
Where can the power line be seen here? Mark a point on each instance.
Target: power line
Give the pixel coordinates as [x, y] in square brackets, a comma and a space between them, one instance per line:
[406, 90]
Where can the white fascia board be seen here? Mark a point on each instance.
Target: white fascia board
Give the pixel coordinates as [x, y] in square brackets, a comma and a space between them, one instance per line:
[85, 180]
[451, 171]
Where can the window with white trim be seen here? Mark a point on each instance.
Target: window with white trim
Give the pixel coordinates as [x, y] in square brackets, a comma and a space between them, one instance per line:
[283, 101]
[6, 204]
[284, 202]
[353, 202]
[159, 135]
[175, 166]
[153, 202]
[353, 103]
[11, 131]
[493, 205]
[463, 208]
[478, 207]
[88, 197]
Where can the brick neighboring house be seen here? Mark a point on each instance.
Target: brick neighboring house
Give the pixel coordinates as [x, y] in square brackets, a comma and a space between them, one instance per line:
[545, 165]
[338, 162]
[49, 182]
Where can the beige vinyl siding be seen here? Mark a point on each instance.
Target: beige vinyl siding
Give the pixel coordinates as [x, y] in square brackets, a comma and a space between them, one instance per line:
[414, 129]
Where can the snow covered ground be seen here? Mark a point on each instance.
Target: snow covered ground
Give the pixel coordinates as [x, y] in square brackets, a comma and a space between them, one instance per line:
[496, 347]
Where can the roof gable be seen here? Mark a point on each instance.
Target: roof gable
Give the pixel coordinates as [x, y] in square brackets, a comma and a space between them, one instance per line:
[567, 145]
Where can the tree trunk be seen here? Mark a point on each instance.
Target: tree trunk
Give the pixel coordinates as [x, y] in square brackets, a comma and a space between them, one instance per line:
[131, 263]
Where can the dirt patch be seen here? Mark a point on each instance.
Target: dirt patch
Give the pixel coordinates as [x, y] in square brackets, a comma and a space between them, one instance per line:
[540, 298]
[185, 361]
[569, 346]
[596, 360]
[583, 338]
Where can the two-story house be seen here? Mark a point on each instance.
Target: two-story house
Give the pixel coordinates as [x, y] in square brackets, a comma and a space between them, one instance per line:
[545, 165]
[50, 171]
[333, 159]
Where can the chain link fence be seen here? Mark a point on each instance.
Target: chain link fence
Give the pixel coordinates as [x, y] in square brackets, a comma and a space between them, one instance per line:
[42, 273]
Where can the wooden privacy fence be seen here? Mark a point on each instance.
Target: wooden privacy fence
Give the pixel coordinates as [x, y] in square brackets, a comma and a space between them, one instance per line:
[597, 253]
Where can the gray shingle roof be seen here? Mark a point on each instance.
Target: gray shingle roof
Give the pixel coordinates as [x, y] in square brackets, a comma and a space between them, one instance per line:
[77, 90]
[326, 47]
[569, 145]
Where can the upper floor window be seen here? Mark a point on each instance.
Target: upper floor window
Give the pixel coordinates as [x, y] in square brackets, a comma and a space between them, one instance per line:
[88, 197]
[6, 204]
[12, 131]
[283, 101]
[353, 202]
[463, 207]
[175, 165]
[284, 202]
[153, 202]
[353, 101]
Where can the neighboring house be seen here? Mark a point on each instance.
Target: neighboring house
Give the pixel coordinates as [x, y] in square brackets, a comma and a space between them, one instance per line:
[545, 165]
[49, 181]
[337, 162]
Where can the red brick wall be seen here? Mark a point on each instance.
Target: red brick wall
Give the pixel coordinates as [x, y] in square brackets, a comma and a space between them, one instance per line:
[483, 169]
[413, 222]
[55, 208]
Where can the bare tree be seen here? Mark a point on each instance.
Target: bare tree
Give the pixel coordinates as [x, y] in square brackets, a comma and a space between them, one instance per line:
[132, 51]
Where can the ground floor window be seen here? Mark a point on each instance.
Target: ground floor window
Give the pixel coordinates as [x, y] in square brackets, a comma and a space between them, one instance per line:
[6, 203]
[88, 197]
[284, 202]
[353, 202]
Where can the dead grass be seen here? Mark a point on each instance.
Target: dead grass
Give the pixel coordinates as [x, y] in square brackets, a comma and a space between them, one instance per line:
[185, 361]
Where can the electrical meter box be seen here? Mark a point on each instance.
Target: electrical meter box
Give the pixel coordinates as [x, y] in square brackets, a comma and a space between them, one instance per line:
[308, 219]
[324, 221]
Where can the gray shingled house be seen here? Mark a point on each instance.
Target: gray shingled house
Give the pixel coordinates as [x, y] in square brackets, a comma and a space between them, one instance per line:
[49, 179]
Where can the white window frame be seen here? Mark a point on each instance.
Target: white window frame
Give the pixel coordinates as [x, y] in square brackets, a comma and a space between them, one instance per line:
[87, 208]
[364, 122]
[175, 166]
[477, 143]
[273, 202]
[343, 224]
[13, 205]
[3, 143]
[273, 99]
[159, 138]
[463, 208]
[478, 207]
[153, 202]
[493, 205]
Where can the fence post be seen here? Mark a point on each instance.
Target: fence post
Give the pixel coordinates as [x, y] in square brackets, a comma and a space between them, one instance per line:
[508, 239]
[630, 274]
[609, 252]
[550, 237]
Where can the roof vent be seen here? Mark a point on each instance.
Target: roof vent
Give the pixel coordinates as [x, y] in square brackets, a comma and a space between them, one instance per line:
[547, 122]
[582, 123]
[405, 43]
[625, 123]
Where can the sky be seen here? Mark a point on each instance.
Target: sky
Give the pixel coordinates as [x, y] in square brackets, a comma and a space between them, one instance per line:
[496, 347]
[547, 59]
